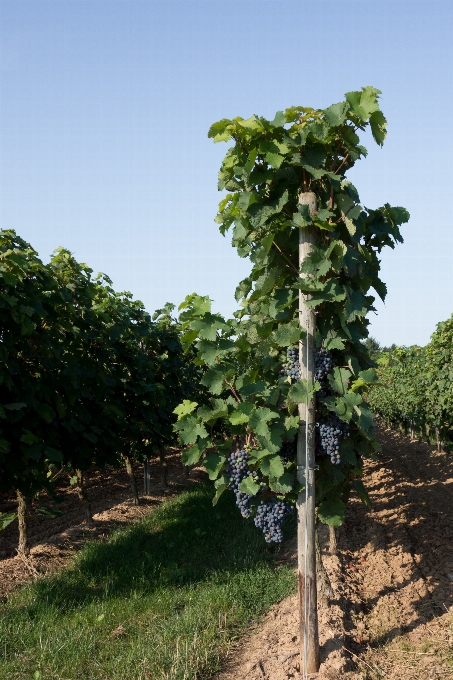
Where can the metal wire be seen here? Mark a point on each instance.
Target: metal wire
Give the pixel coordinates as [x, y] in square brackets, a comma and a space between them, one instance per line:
[307, 590]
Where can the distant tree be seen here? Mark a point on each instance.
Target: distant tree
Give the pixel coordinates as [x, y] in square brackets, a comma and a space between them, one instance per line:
[373, 347]
[391, 348]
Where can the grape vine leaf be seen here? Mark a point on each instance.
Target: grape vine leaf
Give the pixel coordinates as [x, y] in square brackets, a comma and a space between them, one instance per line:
[332, 512]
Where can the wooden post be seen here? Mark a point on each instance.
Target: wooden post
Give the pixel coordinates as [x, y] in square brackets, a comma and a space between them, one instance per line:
[147, 478]
[306, 524]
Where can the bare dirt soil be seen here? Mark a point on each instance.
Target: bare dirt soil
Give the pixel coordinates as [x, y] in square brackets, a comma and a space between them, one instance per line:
[53, 541]
[391, 615]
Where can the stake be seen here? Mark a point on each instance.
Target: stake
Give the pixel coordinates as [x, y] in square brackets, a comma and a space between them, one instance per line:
[147, 478]
[306, 545]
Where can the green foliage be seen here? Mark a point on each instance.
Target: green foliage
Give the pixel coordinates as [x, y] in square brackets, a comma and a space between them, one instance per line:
[414, 388]
[6, 518]
[264, 171]
[85, 374]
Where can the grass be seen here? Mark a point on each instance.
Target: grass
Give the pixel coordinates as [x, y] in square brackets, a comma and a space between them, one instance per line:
[160, 600]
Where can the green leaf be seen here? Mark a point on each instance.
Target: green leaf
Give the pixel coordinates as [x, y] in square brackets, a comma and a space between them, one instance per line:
[339, 379]
[257, 454]
[272, 466]
[210, 415]
[252, 388]
[279, 119]
[192, 455]
[336, 114]
[249, 487]
[365, 420]
[15, 406]
[350, 226]
[213, 380]
[213, 464]
[347, 452]
[221, 484]
[51, 513]
[286, 335]
[332, 512]
[364, 103]
[185, 408]
[248, 167]
[190, 429]
[6, 518]
[29, 438]
[54, 455]
[332, 341]
[208, 326]
[259, 418]
[251, 123]
[259, 213]
[302, 390]
[241, 414]
[362, 493]
[284, 483]
[46, 412]
[274, 159]
[369, 376]
[221, 131]
[355, 306]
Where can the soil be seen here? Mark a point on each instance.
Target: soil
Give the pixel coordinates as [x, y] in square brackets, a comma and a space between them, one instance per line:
[391, 615]
[54, 541]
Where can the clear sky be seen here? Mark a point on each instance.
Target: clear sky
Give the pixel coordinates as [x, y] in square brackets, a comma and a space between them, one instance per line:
[105, 107]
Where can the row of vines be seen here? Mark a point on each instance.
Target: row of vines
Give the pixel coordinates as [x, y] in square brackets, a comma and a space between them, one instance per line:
[87, 377]
[414, 391]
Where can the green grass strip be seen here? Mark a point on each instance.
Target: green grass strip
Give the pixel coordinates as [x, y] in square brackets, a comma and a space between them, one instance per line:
[182, 583]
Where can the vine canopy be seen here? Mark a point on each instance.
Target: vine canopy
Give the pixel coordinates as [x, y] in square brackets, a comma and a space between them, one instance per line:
[268, 165]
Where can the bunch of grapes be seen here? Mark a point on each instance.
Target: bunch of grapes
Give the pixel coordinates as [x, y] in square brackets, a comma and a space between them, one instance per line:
[269, 517]
[237, 471]
[288, 450]
[292, 366]
[323, 366]
[329, 432]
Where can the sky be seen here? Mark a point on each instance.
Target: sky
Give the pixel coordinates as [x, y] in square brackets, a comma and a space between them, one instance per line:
[105, 107]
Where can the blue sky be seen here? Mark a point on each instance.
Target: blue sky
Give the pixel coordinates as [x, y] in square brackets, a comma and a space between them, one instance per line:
[104, 112]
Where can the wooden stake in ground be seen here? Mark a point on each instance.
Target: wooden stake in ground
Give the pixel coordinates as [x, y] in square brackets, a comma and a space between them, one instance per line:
[306, 526]
[147, 478]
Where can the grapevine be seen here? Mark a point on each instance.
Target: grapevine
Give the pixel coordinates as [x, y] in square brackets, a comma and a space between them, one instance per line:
[414, 388]
[251, 361]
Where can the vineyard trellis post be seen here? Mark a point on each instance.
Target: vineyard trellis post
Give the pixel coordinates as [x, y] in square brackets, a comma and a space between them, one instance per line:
[306, 547]
[147, 477]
